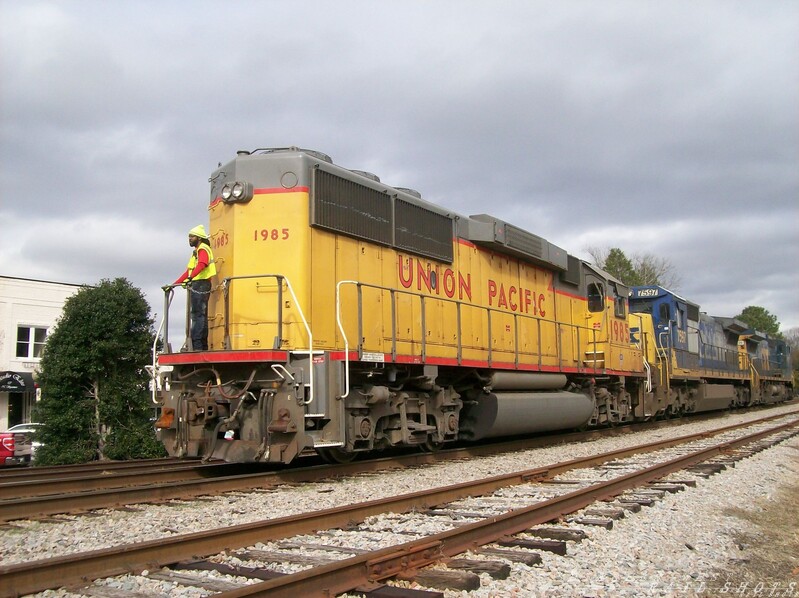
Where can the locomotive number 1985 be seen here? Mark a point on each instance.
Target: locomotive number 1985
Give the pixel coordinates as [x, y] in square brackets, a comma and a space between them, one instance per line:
[271, 234]
[620, 331]
[220, 240]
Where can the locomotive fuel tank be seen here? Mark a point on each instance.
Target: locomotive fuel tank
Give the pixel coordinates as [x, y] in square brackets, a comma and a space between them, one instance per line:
[515, 403]
[495, 414]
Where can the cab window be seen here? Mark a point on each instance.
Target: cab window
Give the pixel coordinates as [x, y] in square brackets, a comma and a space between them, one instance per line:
[620, 310]
[596, 297]
[665, 313]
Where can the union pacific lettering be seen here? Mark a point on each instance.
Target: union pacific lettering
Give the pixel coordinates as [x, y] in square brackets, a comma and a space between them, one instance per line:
[433, 279]
[517, 299]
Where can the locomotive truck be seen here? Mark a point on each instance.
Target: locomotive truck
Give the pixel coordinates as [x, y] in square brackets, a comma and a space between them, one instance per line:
[350, 316]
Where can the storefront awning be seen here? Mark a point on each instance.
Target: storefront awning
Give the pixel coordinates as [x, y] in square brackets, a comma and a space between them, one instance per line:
[16, 382]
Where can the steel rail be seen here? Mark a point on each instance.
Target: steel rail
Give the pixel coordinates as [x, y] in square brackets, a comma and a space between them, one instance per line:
[348, 574]
[36, 471]
[36, 576]
[74, 482]
[87, 499]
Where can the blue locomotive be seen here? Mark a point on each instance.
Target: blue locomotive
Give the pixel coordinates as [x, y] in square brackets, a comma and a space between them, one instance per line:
[719, 360]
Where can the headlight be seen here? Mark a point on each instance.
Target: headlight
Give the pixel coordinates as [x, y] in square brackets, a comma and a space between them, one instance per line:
[236, 191]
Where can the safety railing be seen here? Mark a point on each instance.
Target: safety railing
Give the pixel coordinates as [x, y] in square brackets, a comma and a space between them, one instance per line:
[580, 335]
[664, 350]
[642, 342]
[755, 375]
[280, 280]
[767, 368]
[225, 285]
[715, 357]
[775, 366]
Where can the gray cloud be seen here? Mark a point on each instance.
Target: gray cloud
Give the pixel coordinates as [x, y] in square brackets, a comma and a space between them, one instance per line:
[667, 127]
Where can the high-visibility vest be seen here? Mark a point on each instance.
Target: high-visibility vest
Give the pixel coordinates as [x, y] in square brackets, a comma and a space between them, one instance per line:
[209, 270]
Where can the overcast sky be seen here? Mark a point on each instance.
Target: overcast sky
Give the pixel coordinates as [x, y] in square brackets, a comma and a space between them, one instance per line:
[669, 127]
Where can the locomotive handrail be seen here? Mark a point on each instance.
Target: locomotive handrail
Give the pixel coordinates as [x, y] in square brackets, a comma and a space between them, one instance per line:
[641, 344]
[226, 283]
[344, 335]
[162, 327]
[458, 304]
[755, 374]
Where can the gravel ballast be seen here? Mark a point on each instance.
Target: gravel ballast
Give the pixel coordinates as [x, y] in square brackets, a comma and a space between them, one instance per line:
[699, 542]
[690, 543]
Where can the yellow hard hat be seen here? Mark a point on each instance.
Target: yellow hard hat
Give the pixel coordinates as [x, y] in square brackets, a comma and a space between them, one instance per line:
[199, 231]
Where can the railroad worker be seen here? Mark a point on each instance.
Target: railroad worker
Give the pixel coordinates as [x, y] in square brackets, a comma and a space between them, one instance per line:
[197, 279]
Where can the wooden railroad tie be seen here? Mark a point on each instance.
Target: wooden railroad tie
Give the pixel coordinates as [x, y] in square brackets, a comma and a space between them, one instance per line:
[495, 569]
[557, 533]
[633, 507]
[614, 514]
[515, 556]
[594, 521]
[443, 579]
[554, 546]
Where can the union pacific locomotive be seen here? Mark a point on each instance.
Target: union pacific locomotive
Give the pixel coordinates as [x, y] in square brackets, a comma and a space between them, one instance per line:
[349, 316]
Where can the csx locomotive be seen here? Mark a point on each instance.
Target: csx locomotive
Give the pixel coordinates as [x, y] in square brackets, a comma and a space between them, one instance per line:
[349, 316]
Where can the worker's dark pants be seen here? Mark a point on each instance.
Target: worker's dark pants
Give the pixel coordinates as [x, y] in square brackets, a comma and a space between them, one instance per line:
[200, 291]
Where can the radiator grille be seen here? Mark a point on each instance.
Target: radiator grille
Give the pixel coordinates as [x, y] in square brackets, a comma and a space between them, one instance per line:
[349, 208]
[421, 231]
[524, 241]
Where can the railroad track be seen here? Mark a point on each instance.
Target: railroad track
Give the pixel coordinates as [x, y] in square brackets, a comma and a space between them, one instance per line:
[77, 479]
[43, 492]
[539, 496]
[36, 472]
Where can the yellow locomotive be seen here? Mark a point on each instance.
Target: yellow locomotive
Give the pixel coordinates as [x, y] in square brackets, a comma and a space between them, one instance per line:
[349, 316]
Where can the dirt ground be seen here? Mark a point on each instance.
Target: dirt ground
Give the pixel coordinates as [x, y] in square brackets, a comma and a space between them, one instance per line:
[769, 563]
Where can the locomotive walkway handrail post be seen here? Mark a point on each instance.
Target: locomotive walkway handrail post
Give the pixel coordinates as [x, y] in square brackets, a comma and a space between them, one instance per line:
[346, 392]
[460, 337]
[392, 294]
[665, 353]
[490, 339]
[280, 280]
[424, 327]
[540, 352]
[162, 327]
[165, 319]
[641, 344]
[189, 344]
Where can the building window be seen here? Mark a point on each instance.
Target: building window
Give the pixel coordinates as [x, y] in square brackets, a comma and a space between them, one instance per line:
[30, 341]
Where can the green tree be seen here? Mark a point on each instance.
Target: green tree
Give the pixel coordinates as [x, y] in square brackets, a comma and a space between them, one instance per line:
[95, 403]
[638, 270]
[620, 266]
[761, 320]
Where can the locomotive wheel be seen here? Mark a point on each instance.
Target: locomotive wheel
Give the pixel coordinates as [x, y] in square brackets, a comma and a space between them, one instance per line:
[334, 455]
[431, 446]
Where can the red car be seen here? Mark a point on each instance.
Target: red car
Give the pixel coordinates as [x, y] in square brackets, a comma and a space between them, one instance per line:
[16, 447]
